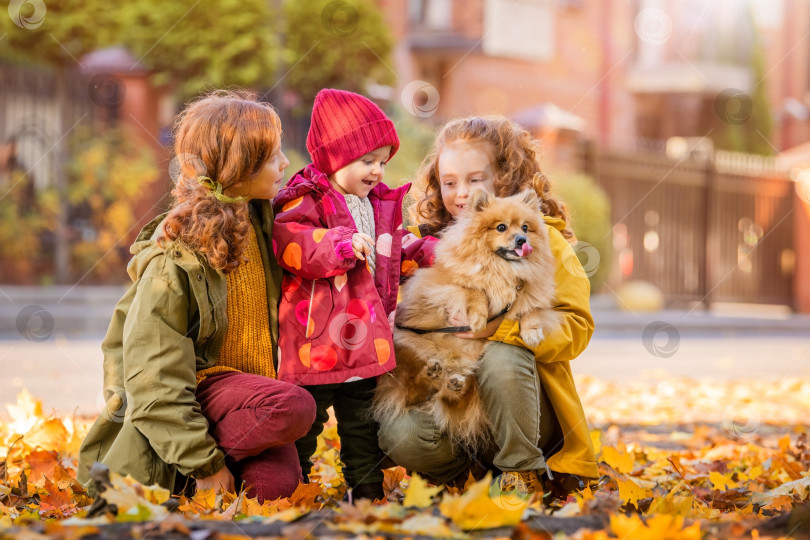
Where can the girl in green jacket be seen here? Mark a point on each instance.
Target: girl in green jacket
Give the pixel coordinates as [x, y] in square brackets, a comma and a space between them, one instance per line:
[529, 393]
[190, 355]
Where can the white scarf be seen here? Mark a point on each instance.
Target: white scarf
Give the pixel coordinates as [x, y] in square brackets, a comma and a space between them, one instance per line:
[363, 214]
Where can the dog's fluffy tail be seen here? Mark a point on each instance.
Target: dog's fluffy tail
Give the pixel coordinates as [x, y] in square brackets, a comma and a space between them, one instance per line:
[389, 400]
[466, 424]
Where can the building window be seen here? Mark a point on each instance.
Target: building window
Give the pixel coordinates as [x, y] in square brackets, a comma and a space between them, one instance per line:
[519, 28]
[435, 14]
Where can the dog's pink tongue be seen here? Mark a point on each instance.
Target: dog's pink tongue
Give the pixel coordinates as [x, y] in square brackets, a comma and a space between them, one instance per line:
[525, 250]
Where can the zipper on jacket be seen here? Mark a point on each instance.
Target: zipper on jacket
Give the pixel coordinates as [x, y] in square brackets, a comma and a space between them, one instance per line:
[309, 313]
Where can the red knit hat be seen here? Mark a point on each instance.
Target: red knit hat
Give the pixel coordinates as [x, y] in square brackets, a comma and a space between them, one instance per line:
[346, 126]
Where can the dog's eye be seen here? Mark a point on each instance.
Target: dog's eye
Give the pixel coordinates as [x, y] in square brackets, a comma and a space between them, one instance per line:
[501, 227]
[525, 228]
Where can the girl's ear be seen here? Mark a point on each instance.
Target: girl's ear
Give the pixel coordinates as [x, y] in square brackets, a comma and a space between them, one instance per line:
[480, 199]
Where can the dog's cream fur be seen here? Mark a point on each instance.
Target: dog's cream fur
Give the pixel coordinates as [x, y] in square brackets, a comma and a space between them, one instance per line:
[476, 274]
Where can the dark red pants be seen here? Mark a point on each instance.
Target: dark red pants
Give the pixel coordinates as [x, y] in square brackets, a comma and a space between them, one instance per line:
[256, 421]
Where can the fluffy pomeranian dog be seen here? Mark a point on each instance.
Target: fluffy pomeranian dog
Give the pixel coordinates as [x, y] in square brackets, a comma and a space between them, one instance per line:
[493, 260]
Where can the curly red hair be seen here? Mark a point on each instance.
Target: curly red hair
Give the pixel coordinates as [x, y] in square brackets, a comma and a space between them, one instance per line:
[516, 168]
[227, 136]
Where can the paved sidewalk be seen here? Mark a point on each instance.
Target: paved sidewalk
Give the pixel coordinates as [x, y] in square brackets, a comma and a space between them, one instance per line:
[84, 313]
[67, 374]
[57, 353]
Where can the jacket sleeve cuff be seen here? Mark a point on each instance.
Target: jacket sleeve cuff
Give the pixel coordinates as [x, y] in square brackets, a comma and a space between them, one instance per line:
[212, 468]
[343, 244]
[503, 332]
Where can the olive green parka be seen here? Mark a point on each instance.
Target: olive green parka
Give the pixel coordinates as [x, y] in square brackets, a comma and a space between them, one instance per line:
[168, 325]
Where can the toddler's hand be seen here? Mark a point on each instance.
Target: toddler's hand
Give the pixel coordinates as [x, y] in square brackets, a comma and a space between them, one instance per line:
[362, 245]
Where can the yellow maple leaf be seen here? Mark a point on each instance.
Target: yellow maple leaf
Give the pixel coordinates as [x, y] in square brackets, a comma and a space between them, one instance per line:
[721, 481]
[672, 503]
[156, 494]
[207, 498]
[799, 487]
[477, 509]
[419, 494]
[126, 494]
[26, 413]
[660, 527]
[631, 490]
[784, 443]
[427, 525]
[618, 458]
[780, 503]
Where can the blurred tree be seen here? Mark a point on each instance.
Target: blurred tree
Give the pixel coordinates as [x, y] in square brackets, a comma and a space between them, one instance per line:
[342, 44]
[109, 174]
[415, 138]
[197, 45]
[26, 218]
[57, 36]
[739, 121]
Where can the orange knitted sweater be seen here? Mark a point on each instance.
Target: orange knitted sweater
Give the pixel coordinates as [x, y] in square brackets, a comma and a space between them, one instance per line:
[246, 346]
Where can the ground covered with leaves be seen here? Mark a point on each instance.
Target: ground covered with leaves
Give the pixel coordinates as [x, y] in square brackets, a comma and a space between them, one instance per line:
[677, 459]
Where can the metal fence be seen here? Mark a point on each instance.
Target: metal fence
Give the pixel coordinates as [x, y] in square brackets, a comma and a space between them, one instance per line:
[35, 132]
[714, 227]
[31, 124]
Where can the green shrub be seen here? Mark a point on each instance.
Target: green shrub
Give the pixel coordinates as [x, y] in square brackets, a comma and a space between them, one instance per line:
[590, 219]
[415, 138]
[109, 173]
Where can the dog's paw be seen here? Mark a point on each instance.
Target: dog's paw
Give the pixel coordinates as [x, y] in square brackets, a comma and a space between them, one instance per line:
[532, 336]
[456, 383]
[434, 368]
[477, 322]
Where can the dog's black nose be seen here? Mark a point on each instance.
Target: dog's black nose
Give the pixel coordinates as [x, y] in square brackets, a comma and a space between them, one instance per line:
[520, 240]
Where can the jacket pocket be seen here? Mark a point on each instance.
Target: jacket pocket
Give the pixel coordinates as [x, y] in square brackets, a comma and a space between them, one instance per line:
[312, 304]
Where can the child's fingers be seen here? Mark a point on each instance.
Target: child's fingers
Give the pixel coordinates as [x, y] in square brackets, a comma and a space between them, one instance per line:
[368, 241]
[361, 244]
[357, 247]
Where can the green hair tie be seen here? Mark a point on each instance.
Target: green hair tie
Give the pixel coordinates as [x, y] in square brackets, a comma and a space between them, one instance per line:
[216, 190]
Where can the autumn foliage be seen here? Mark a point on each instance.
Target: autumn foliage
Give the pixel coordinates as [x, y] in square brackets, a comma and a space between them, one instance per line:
[660, 478]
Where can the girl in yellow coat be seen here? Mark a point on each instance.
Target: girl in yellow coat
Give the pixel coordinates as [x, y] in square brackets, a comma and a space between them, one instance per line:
[529, 393]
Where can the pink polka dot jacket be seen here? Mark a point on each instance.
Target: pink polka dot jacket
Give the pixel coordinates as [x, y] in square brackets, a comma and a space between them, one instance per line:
[333, 315]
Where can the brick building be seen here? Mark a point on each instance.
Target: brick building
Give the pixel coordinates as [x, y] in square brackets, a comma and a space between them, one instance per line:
[630, 70]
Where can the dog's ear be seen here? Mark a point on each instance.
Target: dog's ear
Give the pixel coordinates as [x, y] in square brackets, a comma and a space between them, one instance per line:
[529, 197]
[480, 199]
